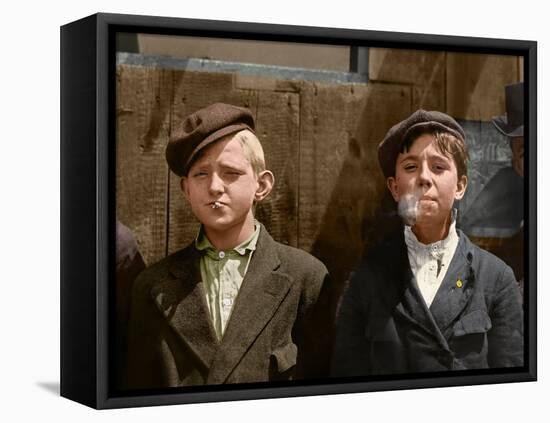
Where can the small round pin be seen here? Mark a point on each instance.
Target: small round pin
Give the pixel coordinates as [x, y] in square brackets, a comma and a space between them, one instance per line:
[459, 283]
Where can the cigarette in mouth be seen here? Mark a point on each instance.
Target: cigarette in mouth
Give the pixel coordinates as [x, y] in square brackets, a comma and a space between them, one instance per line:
[216, 205]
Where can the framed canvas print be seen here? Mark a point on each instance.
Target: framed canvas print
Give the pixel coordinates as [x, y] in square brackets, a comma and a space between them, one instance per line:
[257, 211]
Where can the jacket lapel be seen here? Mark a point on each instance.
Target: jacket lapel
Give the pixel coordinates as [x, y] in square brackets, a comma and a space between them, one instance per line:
[182, 302]
[410, 305]
[262, 291]
[457, 286]
[401, 294]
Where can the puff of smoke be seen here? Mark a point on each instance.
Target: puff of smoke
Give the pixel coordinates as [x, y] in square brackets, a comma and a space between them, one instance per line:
[407, 208]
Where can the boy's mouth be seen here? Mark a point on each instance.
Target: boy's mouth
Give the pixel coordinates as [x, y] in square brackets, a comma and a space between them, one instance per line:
[408, 205]
[426, 198]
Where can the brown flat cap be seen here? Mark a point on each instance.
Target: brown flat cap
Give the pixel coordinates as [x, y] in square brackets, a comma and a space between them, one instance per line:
[202, 128]
[391, 145]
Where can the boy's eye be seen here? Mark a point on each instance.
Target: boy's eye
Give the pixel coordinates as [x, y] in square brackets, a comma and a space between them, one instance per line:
[233, 172]
[200, 173]
[410, 167]
[439, 167]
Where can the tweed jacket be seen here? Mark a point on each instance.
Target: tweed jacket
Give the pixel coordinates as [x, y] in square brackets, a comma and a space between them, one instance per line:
[275, 331]
[384, 326]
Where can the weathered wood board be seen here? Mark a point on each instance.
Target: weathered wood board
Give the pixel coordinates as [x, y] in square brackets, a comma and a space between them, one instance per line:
[475, 84]
[341, 183]
[142, 128]
[423, 70]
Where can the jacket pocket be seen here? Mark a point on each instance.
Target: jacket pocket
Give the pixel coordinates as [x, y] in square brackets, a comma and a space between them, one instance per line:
[478, 321]
[469, 341]
[285, 357]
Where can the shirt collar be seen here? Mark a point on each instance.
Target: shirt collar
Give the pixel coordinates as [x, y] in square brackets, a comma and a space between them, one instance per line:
[202, 243]
[438, 248]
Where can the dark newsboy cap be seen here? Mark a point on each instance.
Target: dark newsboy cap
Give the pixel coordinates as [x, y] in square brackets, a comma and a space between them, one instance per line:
[202, 128]
[421, 120]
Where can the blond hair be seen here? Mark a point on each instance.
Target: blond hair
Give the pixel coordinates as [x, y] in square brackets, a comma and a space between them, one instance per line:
[252, 149]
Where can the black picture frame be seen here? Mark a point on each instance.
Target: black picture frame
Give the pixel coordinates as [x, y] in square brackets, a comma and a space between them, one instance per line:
[88, 213]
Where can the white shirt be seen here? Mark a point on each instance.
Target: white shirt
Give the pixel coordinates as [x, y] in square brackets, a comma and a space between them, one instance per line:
[429, 263]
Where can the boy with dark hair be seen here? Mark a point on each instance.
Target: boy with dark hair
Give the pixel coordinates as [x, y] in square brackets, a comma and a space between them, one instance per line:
[428, 299]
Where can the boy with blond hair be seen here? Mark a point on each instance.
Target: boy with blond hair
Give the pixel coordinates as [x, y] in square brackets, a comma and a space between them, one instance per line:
[234, 306]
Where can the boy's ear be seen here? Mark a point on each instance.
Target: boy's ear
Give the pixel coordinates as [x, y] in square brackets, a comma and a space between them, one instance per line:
[461, 187]
[265, 185]
[392, 186]
[184, 187]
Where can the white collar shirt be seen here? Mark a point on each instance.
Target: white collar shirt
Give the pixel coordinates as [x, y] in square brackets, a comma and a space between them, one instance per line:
[429, 263]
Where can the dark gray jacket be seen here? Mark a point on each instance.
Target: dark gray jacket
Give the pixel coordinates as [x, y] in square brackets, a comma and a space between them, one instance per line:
[385, 327]
[275, 331]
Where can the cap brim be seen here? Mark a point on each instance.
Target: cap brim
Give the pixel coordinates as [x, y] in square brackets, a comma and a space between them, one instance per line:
[501, 123]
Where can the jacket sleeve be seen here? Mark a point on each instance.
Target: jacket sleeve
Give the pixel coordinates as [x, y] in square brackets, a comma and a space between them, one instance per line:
[129, 264]
[351, 347]
[505, 338]
[315, 329]
[142, 363]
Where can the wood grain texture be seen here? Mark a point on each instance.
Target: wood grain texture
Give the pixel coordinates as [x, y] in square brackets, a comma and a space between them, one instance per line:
[475, 84]
[424, 70]
[142, 127]
[340, 182]
[521, 64]
[277, 127]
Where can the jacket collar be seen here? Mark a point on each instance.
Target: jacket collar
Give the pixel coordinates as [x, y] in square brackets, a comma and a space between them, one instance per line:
[457, 287]
[202, 243]
[451, 298]
[263, 289]
[397, 287]
[182, 301]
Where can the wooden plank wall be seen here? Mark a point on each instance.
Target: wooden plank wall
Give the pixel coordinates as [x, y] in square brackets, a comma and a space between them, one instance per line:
[315, 136]
[320, 141]
[143, 124]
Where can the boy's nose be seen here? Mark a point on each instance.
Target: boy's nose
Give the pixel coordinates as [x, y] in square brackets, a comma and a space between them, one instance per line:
[216, 184]
[425, 176]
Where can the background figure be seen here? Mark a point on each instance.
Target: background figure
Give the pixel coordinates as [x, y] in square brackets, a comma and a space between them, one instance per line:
[495, 219]
[129, 264]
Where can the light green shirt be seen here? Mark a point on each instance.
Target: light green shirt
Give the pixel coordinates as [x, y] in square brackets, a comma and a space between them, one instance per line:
[222, 274]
